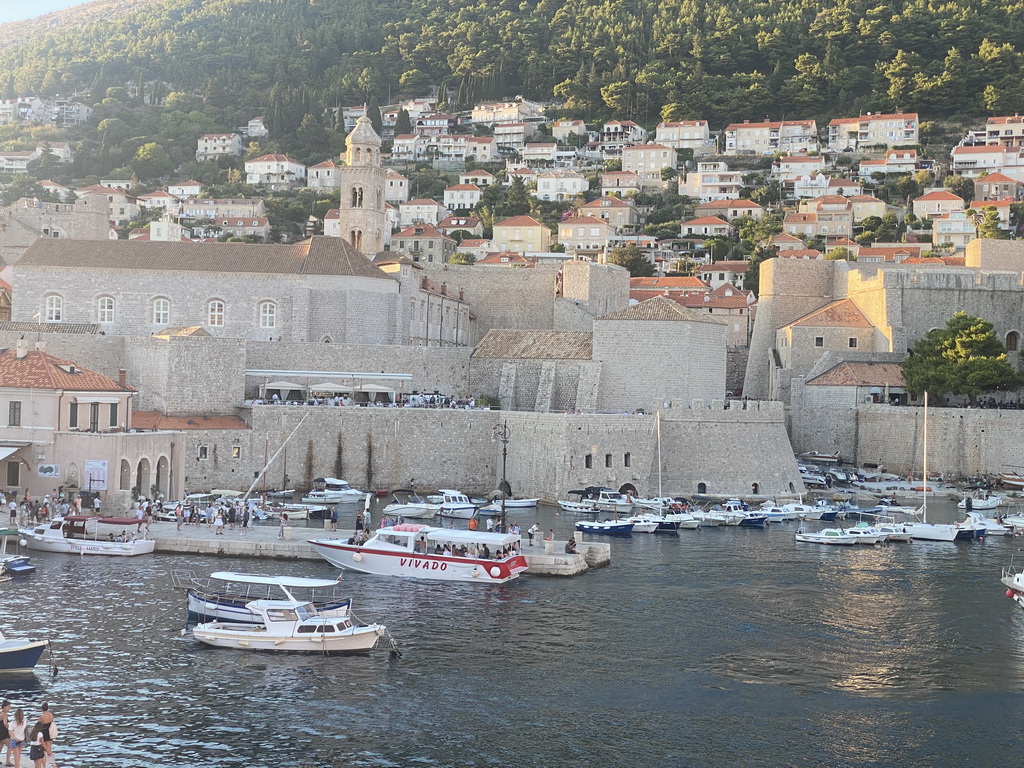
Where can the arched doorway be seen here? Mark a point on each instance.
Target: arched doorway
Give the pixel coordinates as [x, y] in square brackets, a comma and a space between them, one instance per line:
[162, 475]
[142, 477]
[755, 488]
[792, 489]
[126, 476]
[702, 487]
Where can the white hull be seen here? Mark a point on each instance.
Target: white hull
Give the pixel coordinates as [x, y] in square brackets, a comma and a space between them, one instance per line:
[257, 638]
[411, 511]
[929, 532]
[418, 566]
[520, 503]
[334, 497]
[457, 512]
[992, 502]
[577, 507]
[88, 546]
[827, 536]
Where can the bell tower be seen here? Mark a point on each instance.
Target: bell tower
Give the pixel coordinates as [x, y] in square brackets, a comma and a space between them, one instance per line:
[361, 186]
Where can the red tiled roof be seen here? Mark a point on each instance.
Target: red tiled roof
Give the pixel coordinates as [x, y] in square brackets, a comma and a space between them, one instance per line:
[992, 178]
[861, 375]
[421, 230]
[659, 283]
[706, 221]
[519, 221]
[40, 370]
[157, 421]
[837, 314]
[726, 266]
[726, 204]
[940, 194]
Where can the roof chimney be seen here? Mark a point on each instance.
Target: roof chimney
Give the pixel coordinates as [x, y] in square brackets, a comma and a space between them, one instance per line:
[122, 377]
[21, 349]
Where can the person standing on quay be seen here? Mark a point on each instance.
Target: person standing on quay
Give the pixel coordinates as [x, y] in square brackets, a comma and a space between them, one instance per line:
[245, 520]
[48, 730]
[17, 731]
[179, 515]
[5, 733]
[533, 530]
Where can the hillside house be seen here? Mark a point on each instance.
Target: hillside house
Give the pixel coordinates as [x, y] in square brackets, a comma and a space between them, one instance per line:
[686, 134]
[210, 146]
[275, 172]
[851, 133]
[522, 234]
[765, 138]
[559, 185]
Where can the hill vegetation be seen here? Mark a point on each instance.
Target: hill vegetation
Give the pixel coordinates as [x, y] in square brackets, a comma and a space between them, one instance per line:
[722, 60]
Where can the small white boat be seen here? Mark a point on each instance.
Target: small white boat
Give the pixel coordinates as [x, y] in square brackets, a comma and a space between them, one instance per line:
[932, 532]
[980, 500]
[707, 518]
[407, 504]
[606, 527]
[893, 531]
[820, 458]
[456, 504]
[424, 552]
[291, 625]
[88, 535]
[520, 503]
[225, 595]
[578, 507]
[19, 655]
[648, 523]
[331, 490]
[286, 494]
[827, 536]
[989, 526]
[866, 534]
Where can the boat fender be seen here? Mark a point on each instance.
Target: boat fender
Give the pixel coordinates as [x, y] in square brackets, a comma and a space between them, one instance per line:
[358, 557]
[23, 542]
[495, 572]
[278, 642]
[475, 573]
[244, 643]
[1009, 593]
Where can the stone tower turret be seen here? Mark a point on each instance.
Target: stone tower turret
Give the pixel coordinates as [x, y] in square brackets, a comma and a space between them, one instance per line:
[361, 185]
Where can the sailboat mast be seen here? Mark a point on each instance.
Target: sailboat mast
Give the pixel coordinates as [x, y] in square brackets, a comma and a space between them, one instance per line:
[657, 424]
[924, 486]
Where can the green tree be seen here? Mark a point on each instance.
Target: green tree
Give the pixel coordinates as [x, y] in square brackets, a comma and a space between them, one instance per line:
[963, 358]
[961, 186]
[518, 201]
[151, 161]
[989, 227]
[840, 253]
[633, 259]
[403, 124]
[461, 257]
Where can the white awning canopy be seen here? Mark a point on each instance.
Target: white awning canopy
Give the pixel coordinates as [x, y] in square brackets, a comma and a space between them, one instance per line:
[95, 399]
[7, 450]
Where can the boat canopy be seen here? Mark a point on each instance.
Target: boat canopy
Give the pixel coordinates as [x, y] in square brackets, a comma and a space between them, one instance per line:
[114, 520]
[290, 582]
[453, 535]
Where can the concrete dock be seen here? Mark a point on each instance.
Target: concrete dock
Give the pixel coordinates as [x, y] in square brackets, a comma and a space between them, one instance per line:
[546, 559]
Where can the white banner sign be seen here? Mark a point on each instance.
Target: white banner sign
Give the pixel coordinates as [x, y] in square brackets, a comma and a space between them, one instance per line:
[49, 470]
[95, 478]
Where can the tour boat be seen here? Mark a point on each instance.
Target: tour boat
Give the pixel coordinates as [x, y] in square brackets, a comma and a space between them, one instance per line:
[425, 552]
[456, 504]
[291, 625]
[411, 506]
[827, 536]
[225, 595]
[606, 527]
[83, 535]
[330, 490]
[19, 655]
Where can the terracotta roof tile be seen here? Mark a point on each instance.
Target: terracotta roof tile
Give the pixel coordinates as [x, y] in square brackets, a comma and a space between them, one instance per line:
[659, 283]
[660, 309]
[861, 375]
[531, 344]
[40, 370]
[837, 314]
[22, 327]
[157, 421]
[519, 221]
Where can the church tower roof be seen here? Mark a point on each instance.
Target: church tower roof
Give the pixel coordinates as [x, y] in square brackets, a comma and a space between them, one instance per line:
[363, 134]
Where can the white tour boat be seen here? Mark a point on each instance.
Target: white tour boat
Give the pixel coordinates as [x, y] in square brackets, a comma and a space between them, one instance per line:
[88, 535]
[291, 625]
[331, 490]
[425, 552]
[827, 536]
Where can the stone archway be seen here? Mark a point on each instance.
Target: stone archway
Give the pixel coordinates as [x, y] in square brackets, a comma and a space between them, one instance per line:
[163, 474]
[142, 474]
[125, 483]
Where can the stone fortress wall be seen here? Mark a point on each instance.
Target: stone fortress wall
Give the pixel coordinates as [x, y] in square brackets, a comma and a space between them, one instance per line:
[24, 221]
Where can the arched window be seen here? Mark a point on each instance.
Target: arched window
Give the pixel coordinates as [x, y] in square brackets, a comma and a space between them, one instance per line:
[161, 312]
[268, 314]
[105, 310]
[215, 313]
[326, 340]
[702, 487]
[1012, 341]
[54, 312]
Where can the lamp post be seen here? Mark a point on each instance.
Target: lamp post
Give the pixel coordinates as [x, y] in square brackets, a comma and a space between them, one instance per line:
[501, 432]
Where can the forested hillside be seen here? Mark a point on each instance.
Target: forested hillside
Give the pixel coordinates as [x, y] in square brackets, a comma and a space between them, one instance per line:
[722, 60]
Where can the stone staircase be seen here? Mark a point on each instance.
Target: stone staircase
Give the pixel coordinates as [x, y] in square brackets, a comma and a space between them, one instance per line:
[545, 387]
[507, 387]
[587, 387]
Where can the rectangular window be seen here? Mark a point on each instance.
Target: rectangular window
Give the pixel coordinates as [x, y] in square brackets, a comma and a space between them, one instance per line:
[14, 414]
[73, 415]
[236, 452]
[588, 461]
[204, 452]
[14, 473]
[819, 341]
[853, 343]
[626, 459]
[113, 414]
[94, 417]
[608, 460]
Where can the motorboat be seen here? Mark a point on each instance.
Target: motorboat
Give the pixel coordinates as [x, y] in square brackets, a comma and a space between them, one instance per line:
[425, 552]
[581, 507]
[84, 535]
[331, 490]
[19, 655]
[286, 494]
[773, 512]
[813, 478]
[802, 511]
[816, 457]
[13, 565]
[980, 500]
[651, 524]
[972, 527]
[1013, 578]
[754, 520]
[408, 504]
[521, 503]
[606, 527]
[1012, 480]
[893, 531]
[707, 518]
[456, 504]
[866, 534]
[322, 511]
[225, 595]
[827, 536]
[932, 531]
[683, 520]
[990, 527]
[291, 625]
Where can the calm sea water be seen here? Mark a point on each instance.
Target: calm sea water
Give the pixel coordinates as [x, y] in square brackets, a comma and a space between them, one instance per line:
[721, 647]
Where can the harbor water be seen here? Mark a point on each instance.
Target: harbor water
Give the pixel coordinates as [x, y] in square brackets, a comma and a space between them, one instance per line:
[716, 647]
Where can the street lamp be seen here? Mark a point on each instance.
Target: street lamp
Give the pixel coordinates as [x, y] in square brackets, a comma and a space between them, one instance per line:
[501, 432]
